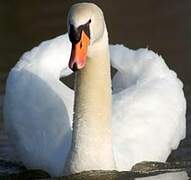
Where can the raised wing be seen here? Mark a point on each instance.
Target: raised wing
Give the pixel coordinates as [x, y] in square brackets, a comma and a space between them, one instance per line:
[148, 107]
[38, 107]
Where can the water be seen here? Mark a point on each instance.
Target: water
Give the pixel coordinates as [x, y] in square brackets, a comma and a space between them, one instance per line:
[168, 176]
[163, 26]
[151, 171]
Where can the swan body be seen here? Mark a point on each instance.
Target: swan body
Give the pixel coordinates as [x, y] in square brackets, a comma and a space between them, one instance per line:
[38, 107]
[142, 120]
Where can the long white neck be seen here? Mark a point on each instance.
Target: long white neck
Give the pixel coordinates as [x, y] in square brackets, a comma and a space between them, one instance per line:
[91, 139]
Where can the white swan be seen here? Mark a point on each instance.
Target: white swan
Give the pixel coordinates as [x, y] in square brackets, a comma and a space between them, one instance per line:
[148, 105]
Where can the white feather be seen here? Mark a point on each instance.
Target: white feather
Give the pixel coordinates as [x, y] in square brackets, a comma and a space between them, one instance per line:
[148, 119]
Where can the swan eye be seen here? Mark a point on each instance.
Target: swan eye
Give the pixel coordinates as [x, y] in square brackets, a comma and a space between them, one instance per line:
[75, 34]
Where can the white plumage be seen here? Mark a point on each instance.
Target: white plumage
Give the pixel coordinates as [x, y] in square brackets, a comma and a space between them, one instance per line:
[148, 118]
[38, 107]
[148, 107]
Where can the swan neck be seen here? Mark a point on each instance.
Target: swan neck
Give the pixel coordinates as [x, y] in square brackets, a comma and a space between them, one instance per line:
[91, 140]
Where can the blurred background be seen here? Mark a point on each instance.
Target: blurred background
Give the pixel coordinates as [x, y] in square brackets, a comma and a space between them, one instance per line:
[163, 26]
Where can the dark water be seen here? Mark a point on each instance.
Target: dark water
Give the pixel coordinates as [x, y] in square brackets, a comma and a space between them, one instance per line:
[141, 171]
[163, 26]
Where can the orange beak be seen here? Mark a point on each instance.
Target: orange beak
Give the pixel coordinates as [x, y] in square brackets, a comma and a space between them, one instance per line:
[79, 53]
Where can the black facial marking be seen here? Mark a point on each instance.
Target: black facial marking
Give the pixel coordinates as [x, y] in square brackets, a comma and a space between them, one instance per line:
[75, 34]
[75, 67]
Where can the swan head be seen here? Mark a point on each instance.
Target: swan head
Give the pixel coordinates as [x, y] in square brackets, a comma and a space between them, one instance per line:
[85, 27]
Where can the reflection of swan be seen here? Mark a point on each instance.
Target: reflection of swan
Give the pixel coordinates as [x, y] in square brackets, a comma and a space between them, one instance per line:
[148, 118]
[167, 176]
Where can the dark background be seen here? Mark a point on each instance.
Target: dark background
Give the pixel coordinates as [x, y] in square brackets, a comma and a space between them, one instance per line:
[161, 25]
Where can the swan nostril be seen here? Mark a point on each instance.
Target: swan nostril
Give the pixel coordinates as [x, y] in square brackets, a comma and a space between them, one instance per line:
[74, 67]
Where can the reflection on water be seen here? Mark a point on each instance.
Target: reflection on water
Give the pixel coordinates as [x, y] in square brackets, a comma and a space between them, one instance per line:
[7, 170]
[168, 176]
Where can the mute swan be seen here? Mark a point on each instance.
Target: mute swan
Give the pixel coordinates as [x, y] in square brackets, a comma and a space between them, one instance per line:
[148, 105]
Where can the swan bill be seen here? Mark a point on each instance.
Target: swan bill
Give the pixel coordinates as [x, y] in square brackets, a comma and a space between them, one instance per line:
[79, 53]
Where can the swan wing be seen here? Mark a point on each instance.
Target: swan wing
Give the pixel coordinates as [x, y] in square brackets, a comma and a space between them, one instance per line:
[38, 107]
[148, 107]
